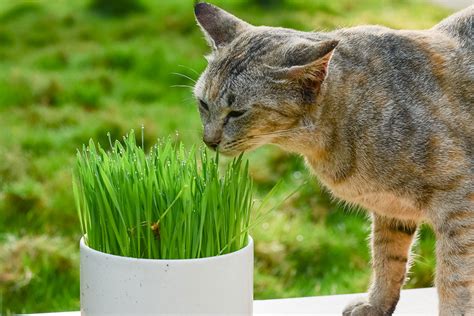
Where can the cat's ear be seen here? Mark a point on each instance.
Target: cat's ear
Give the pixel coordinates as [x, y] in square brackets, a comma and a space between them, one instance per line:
[219, 26]
[307, 62]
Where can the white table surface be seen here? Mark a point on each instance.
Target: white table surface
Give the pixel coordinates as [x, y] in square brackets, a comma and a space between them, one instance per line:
[412, 302]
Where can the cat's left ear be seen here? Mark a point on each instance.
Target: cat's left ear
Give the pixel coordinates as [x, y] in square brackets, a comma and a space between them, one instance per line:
[219, 27]
[307, 62]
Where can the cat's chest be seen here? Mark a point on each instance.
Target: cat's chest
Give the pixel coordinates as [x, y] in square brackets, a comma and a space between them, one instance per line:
[368, 193]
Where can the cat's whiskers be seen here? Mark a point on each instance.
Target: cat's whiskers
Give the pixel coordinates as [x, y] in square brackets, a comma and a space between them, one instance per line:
[256, 139]
[182, 86]
[237, 143]
[283, 132]
[189, 99]
[183, 76]
[189, 68]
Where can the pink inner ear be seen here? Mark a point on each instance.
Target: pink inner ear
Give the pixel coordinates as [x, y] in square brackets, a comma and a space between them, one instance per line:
[315, 71]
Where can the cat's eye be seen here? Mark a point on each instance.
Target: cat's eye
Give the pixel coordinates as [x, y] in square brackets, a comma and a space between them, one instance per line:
[203, 105]
[234, 114]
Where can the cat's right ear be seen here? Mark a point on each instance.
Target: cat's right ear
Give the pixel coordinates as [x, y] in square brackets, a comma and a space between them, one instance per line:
[307, 64]
[219, 26]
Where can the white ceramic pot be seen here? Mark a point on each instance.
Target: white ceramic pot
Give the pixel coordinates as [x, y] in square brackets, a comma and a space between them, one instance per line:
[114, 285]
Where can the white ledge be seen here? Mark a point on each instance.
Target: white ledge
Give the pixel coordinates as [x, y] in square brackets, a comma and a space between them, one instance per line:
[412, 302]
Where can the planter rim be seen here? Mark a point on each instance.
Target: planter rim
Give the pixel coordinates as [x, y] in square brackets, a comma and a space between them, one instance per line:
[88, 249]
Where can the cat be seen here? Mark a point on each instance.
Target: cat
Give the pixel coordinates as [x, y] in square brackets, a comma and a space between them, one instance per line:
[384, 118]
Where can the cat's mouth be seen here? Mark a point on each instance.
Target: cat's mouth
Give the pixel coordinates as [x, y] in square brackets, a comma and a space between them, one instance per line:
[230, 152]
[234, 148]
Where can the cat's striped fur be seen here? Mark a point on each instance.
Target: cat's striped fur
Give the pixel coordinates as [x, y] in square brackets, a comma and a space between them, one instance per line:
[384, 118]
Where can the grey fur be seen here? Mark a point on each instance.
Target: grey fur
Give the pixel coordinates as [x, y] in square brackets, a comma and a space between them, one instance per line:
[383, 117]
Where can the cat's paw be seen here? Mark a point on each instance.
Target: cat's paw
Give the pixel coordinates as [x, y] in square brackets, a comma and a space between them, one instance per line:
[362, 308]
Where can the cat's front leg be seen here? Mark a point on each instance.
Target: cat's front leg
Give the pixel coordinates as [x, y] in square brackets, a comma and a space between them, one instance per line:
[454, 228]
[391, 242]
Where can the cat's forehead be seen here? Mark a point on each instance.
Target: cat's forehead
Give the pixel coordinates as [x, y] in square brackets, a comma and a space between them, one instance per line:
[217, 88]
[243, 53]
[253, 49]
[239, 68]
[239, 64]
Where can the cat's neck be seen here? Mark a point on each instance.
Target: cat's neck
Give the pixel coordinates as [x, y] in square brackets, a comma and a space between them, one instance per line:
[319, 137]
[307, 138]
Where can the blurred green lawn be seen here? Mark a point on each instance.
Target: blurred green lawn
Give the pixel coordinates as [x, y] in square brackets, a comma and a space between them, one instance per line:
[68, 74]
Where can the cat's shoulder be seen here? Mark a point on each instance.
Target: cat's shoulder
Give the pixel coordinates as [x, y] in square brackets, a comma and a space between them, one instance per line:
[460, 26]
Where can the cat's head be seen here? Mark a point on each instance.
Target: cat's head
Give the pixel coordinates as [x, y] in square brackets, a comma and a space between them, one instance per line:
[260, 82]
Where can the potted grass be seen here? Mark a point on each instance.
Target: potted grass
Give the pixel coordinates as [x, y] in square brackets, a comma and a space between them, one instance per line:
[163, 232]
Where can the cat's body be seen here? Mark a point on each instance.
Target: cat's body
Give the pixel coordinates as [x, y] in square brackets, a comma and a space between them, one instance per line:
[389, 142]
[384, 118]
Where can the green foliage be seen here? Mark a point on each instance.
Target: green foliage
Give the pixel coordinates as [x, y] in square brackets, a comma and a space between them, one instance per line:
[15, 91]
[29, 264]
[116, 7]
[68, 75]
[268, 3]
[22, 195]
[166, 204]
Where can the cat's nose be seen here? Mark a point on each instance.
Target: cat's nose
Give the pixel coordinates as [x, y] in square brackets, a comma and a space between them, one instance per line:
[212, 143]
[212, 136]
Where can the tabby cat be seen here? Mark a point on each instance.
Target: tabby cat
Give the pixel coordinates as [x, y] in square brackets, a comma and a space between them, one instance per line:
[384, 118]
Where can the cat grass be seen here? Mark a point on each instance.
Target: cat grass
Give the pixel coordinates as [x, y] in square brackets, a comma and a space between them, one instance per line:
[168, 203]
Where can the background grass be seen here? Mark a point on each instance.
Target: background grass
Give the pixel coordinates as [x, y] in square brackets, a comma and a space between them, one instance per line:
[68, 73]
